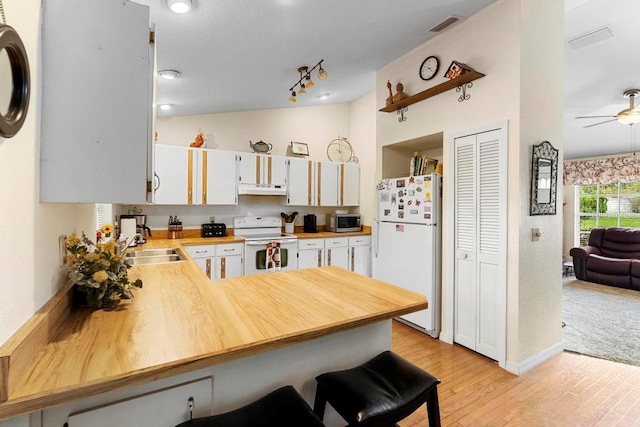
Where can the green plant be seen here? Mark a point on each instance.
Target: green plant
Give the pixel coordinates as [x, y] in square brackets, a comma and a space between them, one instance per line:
[99, 272]
[588, 204]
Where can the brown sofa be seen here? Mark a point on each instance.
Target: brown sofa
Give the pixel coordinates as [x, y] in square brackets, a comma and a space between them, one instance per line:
[611, 258]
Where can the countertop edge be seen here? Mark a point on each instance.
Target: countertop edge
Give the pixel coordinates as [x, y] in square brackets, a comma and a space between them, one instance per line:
[50, 398]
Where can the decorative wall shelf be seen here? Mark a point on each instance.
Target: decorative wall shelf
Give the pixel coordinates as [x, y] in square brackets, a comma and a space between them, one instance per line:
[433, 91]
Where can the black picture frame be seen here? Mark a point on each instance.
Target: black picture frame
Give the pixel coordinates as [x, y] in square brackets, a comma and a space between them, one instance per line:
[544, 179]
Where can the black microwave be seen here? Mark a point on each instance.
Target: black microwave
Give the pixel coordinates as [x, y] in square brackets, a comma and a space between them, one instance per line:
[342, 223]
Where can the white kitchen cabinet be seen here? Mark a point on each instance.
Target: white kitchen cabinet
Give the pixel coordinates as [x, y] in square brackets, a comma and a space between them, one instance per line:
[260, 170]
[174, 174]
[322, 183]
[323, 252]
[96, 106]
[218, 173]
[301, 182]
[218, 261]
[162, 408]
[360, 254]
[191, 176]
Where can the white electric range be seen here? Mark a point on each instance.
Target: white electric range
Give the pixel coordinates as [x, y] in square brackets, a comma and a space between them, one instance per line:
[266, 248]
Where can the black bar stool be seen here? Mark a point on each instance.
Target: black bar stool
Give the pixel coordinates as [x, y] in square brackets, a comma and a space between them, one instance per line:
[379, 393]
[283, 407]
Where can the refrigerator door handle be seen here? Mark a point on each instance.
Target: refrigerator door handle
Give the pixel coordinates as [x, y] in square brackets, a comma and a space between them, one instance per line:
[376, 227]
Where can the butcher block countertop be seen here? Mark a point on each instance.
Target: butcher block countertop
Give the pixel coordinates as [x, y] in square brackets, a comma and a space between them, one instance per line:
[181, 321]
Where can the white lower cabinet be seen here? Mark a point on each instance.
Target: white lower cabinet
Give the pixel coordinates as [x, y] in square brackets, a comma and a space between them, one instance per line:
[360, 254]
[323, 252]
[167, 407]
[218, 261]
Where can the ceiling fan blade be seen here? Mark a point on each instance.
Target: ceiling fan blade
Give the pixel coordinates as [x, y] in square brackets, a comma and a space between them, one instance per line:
[592, 117]
[601, 123]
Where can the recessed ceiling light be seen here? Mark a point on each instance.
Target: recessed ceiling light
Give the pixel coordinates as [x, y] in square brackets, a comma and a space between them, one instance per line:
[164, 107]
[179, 6]
[169, 74]
[324, 96]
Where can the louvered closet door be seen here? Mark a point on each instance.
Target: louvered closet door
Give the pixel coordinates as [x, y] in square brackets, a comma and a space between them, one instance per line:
[480, 221]
[465, 238]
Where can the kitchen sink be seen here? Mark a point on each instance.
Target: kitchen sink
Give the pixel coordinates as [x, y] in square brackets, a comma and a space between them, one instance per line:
[154, 256]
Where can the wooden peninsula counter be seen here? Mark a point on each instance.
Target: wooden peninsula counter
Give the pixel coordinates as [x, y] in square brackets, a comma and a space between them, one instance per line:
[181, 326]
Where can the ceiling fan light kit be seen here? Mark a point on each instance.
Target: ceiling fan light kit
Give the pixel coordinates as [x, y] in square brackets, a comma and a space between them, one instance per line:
[305, 81]
[628, 116]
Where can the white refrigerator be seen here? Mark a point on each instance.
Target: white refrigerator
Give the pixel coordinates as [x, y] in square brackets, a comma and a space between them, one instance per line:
[407, 242]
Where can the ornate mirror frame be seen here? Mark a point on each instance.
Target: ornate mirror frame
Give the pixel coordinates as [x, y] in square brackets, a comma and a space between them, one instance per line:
[544, 179]
[12, 121]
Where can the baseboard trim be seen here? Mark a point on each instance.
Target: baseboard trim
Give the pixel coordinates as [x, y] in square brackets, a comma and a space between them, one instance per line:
[446, 337]
[532, 362]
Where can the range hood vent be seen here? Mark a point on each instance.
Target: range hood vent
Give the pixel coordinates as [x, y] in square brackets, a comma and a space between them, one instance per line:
[262, 190]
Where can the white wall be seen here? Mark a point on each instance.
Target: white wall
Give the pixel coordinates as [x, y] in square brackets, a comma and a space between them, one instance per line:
[30, 230]
[499, 41]
[363, 139]
[541, 103]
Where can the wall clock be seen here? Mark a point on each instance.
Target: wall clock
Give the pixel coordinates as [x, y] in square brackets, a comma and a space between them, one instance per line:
[339, 150]
[429, 68]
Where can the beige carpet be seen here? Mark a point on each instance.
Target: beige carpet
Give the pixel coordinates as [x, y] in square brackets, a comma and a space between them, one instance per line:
[601, 321]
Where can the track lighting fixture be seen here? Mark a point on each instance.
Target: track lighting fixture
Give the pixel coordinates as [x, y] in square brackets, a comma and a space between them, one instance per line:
[305, 81]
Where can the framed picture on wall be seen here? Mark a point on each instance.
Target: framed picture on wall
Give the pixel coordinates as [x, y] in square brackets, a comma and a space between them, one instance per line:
[299, 148]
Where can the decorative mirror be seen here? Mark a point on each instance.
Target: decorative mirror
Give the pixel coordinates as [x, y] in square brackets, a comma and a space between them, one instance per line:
[14, 92]
[544, 177]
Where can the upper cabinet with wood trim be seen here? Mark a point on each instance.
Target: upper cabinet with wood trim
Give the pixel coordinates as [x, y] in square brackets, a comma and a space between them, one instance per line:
[191, 176]
[96, 101]
[313, 183]
[262, 170]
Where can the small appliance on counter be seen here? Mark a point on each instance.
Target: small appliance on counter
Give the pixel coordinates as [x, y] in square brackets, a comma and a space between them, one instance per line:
[343, 222]
[212, 229]
[128, 229]
[310, 224]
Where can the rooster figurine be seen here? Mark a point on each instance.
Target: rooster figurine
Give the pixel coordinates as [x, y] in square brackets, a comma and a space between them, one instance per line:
[199, 141]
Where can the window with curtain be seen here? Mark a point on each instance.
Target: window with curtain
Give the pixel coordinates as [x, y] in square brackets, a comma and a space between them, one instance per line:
[607, 205]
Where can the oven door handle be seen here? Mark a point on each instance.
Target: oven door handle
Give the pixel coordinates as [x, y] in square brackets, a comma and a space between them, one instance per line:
[264, 242]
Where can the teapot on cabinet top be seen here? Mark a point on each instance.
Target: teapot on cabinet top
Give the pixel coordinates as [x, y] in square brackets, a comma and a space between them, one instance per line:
[260, 147]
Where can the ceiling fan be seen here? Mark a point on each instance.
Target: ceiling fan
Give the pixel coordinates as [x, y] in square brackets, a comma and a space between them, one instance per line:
[628, 116]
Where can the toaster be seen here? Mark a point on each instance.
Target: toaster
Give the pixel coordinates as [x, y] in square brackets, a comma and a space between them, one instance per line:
[213, 230]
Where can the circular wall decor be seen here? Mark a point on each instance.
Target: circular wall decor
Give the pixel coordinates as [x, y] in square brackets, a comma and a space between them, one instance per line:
[13, 119]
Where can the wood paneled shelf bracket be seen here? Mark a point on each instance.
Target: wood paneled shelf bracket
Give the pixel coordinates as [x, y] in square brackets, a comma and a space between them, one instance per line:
[460, 81]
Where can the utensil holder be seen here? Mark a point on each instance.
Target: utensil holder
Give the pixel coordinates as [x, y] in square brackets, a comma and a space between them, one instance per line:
[288, 227]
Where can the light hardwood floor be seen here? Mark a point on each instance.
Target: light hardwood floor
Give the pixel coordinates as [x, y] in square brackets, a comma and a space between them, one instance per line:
[567, 390]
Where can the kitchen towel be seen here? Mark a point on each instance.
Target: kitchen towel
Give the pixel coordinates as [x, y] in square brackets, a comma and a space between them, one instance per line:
[273, 256]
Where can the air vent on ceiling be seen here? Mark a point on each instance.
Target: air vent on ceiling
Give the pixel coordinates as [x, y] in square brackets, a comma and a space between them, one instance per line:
[445, 24]
[590, 38]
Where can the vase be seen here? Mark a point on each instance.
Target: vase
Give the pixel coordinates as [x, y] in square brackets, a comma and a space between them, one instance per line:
[288, 227]
[81, 299]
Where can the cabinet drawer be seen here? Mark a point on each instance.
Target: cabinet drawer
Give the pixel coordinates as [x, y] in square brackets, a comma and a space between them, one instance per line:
[310, 244]
[228, 250]
[359, 240]
[336, 242]
[201, 251]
